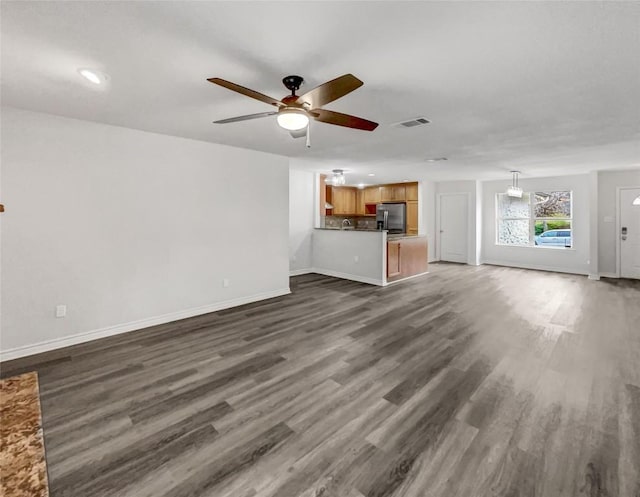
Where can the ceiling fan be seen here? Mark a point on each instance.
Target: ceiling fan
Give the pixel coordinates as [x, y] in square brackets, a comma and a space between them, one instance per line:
[294, 111]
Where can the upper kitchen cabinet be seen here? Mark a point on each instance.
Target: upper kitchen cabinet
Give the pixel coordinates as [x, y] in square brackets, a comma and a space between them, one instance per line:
[372, 195]
[392, 193]
[412, 217]
[411, 190]
[343, 200]
[360, 210]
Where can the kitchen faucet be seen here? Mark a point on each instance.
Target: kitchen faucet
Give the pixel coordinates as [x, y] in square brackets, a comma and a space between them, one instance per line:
[345, 221]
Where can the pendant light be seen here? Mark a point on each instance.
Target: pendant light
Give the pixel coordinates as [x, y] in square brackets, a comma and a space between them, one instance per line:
[338, 178]
[514, 190]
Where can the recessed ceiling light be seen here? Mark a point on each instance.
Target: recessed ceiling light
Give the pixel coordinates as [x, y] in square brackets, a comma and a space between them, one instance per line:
[437, 159]
[371, 174]
[93, 76]
[405, 181]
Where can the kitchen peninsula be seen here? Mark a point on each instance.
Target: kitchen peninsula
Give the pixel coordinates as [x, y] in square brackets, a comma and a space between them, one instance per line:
[369, 234]
[368, 256]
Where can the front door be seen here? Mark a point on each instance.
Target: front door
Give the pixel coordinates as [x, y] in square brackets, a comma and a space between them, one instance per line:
[629, 233]
[454, 214]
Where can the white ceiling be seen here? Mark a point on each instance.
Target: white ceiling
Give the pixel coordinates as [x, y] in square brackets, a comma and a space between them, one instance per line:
[549, 88]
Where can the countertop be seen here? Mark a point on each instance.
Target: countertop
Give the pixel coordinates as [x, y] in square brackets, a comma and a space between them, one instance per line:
[350, 229]
[394, 236]
[403, 235]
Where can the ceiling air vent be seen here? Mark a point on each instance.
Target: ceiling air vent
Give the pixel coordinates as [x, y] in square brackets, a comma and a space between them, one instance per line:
[418, 121]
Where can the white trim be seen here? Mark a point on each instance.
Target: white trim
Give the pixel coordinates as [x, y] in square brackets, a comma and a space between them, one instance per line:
[56, 343]
[608, 275]
[298, 272]
[407, 278]
[618, 226]
[468, 221]
[594, 277]
[348, 276]
[537, 267]
[618, 232]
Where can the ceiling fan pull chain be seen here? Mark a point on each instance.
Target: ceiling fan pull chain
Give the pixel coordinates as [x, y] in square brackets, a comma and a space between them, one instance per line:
[309, 134]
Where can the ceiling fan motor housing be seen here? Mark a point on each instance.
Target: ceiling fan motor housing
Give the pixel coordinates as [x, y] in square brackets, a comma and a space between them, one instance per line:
[293, 83]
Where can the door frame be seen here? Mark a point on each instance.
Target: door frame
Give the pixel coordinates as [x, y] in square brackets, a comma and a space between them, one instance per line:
[438, 214]
[619, 225]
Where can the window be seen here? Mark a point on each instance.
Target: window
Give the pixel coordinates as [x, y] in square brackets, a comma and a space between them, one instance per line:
[539, 219]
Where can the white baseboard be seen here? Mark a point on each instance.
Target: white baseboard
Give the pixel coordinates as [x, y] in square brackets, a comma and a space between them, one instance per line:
[609, 275]
[57, 343]
[537, 267]
[298, 272]
[348, 276]
[405, 279]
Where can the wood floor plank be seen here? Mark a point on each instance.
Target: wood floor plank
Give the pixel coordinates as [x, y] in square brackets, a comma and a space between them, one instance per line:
[468, 381]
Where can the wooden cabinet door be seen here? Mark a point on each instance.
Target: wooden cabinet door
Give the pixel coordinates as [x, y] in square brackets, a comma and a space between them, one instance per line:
[344, 200]
[411, 191]
[386, 193]
[350, 200]
[393, 259]
[412, 218]
[360, 202]
[337, 199]
[372, 195]
[399, 193]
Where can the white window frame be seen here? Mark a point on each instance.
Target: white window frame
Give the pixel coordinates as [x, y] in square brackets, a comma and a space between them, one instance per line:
[532, 221]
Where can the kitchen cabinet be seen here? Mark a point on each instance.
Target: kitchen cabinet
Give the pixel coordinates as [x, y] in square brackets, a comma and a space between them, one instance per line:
[343, 200]
[360, 202]
[411, 192]
[372, 195]
[393, 259]
[406, 257]
[412, 217]
[392, 193]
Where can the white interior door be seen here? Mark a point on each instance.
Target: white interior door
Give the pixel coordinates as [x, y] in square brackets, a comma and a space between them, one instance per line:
[629, 234]
[454, 219]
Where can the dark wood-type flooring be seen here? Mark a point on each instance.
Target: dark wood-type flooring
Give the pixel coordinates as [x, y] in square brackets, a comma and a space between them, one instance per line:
[469, 381]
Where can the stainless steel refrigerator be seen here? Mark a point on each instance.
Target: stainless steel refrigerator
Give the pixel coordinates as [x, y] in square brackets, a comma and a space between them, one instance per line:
[392, 217]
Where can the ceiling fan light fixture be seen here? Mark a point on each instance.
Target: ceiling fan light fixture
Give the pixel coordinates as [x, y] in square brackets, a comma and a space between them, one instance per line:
[292, 119]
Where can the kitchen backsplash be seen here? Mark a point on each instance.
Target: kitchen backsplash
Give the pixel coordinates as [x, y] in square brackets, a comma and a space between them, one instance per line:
[361, 222]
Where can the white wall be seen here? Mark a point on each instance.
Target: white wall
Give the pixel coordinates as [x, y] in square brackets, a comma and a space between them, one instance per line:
[427, 215]
[608, 184]
[334, 253]
[470, 188]
[301, 219]
[129, 228]
[575, 260]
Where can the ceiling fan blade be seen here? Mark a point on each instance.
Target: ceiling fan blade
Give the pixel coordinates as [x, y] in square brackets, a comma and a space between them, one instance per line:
[299, 133]
[246, 91]
[331, 117]
[330, 91]
[245, 118]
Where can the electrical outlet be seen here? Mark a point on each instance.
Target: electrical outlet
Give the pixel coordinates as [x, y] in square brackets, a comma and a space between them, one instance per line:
[61, 311]
[225, 283]
[356, 259]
